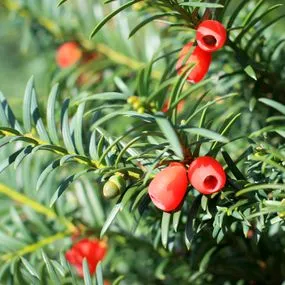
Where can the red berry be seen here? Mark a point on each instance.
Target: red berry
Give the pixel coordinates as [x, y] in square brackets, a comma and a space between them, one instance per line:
[206, 175]
[211, 35]
[199, 57]
[88, 57]
[179, 107]
[168, 188]
[93, 250]
[68, 54]
[250, 234]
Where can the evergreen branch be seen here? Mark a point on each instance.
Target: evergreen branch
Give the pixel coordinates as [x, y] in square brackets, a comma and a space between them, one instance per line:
[268, 161]
[119, 58]
[34, 247]
[260, 187]
[77, 158]
[57, 149]
[37, 207]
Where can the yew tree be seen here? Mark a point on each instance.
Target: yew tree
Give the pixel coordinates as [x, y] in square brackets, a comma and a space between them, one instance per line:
[148, 144]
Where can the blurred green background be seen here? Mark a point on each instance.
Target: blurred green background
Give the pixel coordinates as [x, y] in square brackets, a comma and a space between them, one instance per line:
[17, 63]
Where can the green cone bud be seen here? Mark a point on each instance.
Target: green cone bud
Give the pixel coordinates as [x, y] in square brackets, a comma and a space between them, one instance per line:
[114, 187]
[132, 99]
[282, 214]
[141, 110]
[137, 105]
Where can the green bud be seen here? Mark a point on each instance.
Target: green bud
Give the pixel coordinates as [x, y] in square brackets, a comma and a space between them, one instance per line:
[137, 105]
[114, 187]
[132, 99]
[282, 214]
[141, 110]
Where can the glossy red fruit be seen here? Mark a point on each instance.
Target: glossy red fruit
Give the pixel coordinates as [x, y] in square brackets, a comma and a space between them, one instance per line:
[206, 175]
[199, 57]
[179, 107]
[93, 250]
[168, 188]
[68, 54]
[211, 35]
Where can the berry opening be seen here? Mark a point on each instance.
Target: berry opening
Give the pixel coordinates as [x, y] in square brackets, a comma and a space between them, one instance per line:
[210, 182]
[210, 40]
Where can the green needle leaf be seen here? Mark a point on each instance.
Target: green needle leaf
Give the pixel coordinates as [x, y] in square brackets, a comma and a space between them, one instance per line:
[170, 134]
[110, 16]
[250, 72]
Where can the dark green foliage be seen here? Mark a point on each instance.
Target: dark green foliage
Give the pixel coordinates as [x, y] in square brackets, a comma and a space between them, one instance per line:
[66, 145]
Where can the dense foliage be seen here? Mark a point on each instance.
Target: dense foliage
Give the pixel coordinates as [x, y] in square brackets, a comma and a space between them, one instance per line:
[117, 116]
